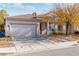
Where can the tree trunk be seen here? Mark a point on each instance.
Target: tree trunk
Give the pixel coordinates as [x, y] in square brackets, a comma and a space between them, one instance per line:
[69, 28]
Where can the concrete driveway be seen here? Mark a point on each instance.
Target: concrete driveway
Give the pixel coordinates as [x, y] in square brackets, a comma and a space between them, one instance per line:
[32, 44]
[29, 45]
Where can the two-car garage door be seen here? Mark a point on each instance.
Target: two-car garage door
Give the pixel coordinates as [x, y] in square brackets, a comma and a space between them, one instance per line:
[23, 30]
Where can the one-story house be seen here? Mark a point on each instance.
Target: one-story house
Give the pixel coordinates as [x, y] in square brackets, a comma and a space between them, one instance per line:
[28, 25]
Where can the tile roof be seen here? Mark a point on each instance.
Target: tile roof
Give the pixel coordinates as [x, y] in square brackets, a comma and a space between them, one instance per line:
[24, 17]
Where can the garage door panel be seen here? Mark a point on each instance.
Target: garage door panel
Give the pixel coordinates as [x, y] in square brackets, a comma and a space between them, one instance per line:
[23, 30]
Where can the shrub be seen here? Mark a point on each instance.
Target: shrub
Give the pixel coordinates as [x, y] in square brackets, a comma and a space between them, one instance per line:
[76, 32]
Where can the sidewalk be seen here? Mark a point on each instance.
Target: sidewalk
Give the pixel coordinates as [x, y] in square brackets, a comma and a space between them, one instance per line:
[8, 50]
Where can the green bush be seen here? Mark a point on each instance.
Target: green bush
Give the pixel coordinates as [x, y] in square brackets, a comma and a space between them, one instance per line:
[58, 33]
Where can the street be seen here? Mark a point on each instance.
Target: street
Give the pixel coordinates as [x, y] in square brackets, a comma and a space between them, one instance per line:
[72, 51]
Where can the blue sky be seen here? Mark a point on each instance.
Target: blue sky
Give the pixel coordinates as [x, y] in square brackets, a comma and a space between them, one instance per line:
[25, 8]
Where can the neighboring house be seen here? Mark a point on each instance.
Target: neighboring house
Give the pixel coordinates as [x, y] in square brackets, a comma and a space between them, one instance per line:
[25, 26]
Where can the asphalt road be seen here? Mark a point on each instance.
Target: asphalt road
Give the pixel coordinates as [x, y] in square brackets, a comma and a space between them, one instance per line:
[72, 51]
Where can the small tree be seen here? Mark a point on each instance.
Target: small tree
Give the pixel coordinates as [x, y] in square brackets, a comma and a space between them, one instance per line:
[3, 13]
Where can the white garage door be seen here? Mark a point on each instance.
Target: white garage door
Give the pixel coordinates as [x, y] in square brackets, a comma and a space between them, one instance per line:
[23, 30]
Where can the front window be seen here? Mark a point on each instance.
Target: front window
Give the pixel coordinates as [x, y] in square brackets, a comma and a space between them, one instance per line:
[51, 27]
[59, 27]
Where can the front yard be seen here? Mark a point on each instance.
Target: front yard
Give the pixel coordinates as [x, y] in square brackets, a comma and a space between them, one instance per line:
[61, 37]
[6, 42]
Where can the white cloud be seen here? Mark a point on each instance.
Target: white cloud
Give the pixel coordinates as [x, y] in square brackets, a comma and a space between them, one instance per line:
[22, 7]
[17, 6]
